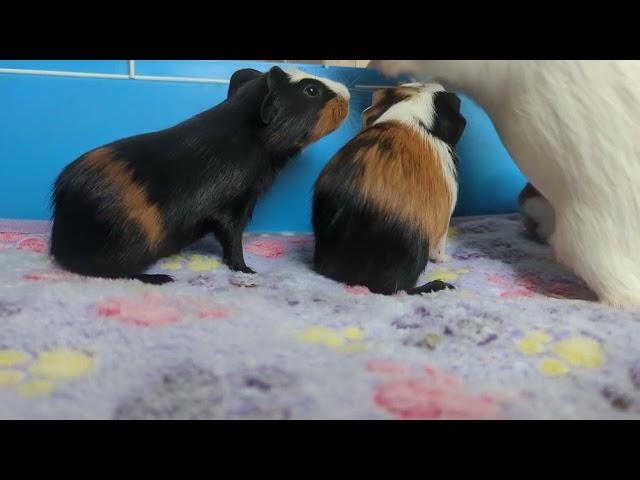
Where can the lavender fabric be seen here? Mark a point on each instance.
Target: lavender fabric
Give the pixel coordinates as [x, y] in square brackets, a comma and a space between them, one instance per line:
[519, 338]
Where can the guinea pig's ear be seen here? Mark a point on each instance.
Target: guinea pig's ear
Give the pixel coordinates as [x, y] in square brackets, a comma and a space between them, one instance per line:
[451, 123]
[269, 109]
[378, 95]
[276, 76]
[239, 78]
[380, 104]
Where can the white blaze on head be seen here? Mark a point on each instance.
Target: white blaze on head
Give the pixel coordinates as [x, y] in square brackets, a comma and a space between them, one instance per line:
[419, 106]
[338, 88]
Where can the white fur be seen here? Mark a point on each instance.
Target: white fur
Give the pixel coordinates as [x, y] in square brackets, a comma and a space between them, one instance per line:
[540, 210]
[338, 88]
[439, 254]
[572, 127]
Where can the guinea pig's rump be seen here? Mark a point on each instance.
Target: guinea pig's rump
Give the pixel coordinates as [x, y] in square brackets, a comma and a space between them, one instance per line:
[379, 205]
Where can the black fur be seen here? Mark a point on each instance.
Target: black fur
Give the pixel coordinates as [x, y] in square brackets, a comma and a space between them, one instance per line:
[203, 175]
[450, 123]
[359, 245]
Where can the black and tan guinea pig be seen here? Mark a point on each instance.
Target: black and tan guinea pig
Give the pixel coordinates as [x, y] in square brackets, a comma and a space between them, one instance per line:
[121, 207]
[384, 201]
[538, 216]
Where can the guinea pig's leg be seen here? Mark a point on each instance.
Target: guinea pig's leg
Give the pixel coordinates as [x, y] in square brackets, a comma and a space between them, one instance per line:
[229, 234]
[439, 254]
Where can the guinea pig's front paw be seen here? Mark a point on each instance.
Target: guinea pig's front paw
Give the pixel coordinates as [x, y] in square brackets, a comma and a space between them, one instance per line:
[241, 268]
[438, 285]
[431, 287]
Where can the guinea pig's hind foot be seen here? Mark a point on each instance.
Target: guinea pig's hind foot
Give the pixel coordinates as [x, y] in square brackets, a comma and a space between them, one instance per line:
[431, 287]
[155, 279]
[240, 268]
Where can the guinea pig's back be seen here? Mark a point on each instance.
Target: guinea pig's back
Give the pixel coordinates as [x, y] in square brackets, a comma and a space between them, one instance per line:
[102, 215]
[404, 176]
[378, 204]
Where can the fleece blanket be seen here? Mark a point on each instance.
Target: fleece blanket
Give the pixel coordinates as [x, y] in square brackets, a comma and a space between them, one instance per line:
[520, 338]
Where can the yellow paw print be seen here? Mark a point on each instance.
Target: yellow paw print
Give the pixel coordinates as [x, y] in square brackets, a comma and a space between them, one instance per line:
[580, 352]
[62, 364]
[446, 275]
[47, 368]
[200, 263]
[347, 340]
[577, 351]
[552, 367]
[195, 263]
[9, 358]
[10, 377]
[172, 263]
[534, 343]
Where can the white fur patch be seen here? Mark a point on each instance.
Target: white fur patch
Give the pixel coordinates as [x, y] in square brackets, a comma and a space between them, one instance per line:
[540, 210]
[338, 88]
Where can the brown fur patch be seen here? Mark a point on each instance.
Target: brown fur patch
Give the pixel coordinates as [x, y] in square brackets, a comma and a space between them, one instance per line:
[402, 176]
[333, 113]
[135, 203]
[385, 99]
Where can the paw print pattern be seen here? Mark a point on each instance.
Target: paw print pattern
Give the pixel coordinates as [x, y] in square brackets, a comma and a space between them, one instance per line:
[347, 340]
[9, 309]
[154, 309]
[577, 351]
[431, 394]
[520, 287]
[183, 392]
[39, 376]
[23, 242]
[526, 286]
[194, 262]
[53, 275]
[266, 248]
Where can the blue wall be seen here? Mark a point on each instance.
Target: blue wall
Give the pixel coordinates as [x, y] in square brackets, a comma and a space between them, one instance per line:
[48, 121]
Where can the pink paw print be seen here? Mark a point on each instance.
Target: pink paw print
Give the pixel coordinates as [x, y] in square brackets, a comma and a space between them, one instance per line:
[11, 237]
[54, 275]
[568, 290]
[520, 287]
[33, 244]
[357, 290]
[433, 395]
[156, 310]
[152, 310]
[384, 367]
[299, 240]
[266, 248]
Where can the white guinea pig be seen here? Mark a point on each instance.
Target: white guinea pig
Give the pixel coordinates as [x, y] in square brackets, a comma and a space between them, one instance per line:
[572, 127]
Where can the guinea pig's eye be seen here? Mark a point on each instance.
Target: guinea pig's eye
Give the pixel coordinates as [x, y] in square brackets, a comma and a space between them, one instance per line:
[312, 90]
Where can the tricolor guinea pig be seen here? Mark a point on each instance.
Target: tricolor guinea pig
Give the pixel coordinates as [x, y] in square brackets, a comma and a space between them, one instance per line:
[121, 207]
[382, 205]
